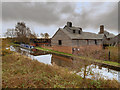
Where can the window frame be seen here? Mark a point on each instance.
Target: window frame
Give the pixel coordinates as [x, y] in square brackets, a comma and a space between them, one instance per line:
[74, 31]
[95, 42]
[87, 42]
[79, 32]
[59, 42]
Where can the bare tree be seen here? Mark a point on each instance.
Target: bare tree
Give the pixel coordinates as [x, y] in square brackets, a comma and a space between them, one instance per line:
[42, 35]
[33, 35]
[23, 33]
[45, 35]
[10, 33]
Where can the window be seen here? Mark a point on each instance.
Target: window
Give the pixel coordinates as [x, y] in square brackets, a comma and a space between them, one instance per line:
[70, 24]
[73, 31]
[87, 42]
[59, 42]
[96, 42]
[79, 32]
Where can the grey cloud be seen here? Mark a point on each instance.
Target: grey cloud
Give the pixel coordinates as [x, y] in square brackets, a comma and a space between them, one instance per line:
[68, 8]
[93, 19]
[36, 12]
[0, 19]
[51, 14]
[0, 11]
[45, 13]
[119, 17]
[110, 19]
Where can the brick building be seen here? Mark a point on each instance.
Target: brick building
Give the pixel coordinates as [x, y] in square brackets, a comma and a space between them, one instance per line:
[71, 39]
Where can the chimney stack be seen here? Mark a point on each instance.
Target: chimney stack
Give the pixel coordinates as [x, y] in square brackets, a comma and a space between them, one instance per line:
[69, 24]
[101, 29]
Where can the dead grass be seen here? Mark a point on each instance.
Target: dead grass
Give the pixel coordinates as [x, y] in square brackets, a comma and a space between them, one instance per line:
[101, 54]
[22, 72]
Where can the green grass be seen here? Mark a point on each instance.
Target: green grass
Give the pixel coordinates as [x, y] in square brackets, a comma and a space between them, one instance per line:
[14, 44]
[44, 49]
[85, 58]
[113, 63]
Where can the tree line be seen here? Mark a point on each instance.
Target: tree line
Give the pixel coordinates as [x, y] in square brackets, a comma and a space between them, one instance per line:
[23, 34]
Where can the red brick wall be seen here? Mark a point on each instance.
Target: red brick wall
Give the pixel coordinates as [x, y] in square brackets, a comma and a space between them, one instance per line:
[65, 49]
[91, 47]
[68, 49]
[87, 49]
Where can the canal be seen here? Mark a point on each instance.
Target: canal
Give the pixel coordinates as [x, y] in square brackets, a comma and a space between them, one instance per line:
[83, 68]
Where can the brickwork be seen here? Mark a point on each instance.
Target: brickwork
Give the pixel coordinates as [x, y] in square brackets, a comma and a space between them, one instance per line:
[91, 47]
[65, 49]
[86, 48]
[75, 50]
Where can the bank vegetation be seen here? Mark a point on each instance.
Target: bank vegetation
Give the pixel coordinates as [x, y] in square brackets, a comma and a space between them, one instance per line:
[21, 72]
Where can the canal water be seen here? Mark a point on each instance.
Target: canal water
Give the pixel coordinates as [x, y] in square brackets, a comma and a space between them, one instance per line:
[83, 68]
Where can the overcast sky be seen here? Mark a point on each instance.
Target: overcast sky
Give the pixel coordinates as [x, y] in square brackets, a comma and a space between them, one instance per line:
[47, 17]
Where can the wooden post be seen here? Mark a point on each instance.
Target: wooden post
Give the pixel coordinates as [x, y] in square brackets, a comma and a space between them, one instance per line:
[85, 71]
[109, 56]
[108, 69]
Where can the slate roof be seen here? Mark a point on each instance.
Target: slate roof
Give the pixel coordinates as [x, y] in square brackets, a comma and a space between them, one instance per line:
[84, 35]
[116, 39]
[109, 35]
[74, 28]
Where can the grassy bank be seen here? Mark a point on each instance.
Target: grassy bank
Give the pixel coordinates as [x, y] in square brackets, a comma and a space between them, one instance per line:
[22, 72]
[86, 58]
[113, 50]
[49, 50]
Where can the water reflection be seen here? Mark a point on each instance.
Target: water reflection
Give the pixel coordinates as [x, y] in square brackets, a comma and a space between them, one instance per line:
[81, 67]
[61, 61]
[44, 58]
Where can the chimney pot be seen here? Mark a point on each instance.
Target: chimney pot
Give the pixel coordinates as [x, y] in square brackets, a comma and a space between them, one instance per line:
[69, 24]
[101, 29]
